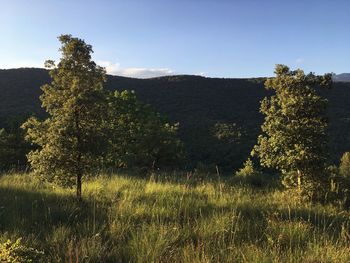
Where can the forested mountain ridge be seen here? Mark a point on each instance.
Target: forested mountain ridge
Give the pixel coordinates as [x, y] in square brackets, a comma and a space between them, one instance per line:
[173, 95]
[197, 103]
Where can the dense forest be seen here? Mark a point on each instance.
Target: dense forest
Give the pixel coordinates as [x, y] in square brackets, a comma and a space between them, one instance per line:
[200, 105]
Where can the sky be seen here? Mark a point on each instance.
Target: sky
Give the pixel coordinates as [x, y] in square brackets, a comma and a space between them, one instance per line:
[214, 38]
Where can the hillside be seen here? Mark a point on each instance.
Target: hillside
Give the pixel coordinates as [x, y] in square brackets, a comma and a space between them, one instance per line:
[197, 103]
[178, 96]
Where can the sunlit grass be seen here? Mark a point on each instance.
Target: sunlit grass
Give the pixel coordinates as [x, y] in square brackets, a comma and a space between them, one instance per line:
[170, 218]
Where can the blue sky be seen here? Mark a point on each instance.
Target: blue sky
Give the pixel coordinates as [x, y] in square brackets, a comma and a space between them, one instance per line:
[144, 38]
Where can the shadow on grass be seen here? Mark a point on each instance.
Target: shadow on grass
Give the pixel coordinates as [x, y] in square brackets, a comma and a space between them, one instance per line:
[39, 212]
[28, 212]
[331, 224]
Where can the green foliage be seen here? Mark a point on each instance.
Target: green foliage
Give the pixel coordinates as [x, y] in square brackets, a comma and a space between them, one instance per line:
[70, 138]
[16, 252]
[140, 137]
[294, 138]
[248, 169]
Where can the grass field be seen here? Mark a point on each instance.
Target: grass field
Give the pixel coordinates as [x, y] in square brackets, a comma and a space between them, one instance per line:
[170, 218]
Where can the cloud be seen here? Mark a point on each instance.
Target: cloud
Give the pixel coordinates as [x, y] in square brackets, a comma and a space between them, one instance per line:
[22, 64]
[299, 60]
[111, 68]
[115, 69]
[202, 74]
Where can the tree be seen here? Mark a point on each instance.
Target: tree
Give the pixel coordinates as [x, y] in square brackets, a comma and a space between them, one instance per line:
[140, 137]
[294, 138]
[70, 139]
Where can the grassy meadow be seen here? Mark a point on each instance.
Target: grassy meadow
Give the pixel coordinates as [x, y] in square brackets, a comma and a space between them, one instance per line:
[170, 218]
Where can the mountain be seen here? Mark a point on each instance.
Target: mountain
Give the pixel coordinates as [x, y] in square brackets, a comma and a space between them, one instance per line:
[344, 77]
[197, 103]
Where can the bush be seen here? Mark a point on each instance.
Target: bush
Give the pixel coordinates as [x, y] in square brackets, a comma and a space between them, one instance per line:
[16, 252]
[251, 175]
[248, 169]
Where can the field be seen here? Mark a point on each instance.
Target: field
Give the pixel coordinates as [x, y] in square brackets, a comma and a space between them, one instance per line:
[170, 218]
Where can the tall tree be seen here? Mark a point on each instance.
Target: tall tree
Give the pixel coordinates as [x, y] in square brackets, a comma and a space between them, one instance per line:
[294, 138]
[69, 139]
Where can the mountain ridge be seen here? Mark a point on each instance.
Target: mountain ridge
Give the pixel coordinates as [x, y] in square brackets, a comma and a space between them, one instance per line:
[196, 102]
[343, 77]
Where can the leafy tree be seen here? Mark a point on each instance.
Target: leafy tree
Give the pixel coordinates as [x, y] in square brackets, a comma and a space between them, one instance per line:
[70, 139]
[294, 138]
[140, 137]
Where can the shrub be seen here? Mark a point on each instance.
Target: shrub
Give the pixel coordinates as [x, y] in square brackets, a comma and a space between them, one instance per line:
[250, 174]
[16, 252]
[248, 169]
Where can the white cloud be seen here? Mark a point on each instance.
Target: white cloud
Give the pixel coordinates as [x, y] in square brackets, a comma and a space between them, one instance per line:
[299, 61]
[22, 64]
[115, 69]
[202, 74]
[111, 68]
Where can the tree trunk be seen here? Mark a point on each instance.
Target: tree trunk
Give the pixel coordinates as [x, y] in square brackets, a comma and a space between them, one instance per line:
[78, 149]
[79, 186]
[299, 180]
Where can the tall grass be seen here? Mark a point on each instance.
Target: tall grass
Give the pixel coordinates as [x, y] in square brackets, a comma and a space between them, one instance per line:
[170, 218]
